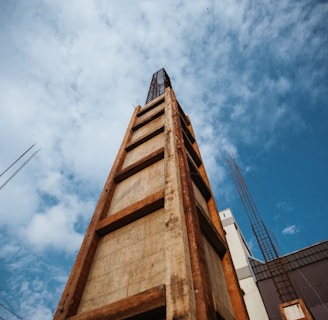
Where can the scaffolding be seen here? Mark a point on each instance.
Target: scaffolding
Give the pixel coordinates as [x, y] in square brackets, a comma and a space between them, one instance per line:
[159, 82]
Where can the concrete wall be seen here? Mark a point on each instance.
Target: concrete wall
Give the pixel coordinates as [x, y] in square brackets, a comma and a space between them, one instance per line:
[152, 244]
[128, 261]
[240, 253]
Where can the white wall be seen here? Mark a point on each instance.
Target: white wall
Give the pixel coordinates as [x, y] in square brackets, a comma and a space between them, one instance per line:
[239, 253]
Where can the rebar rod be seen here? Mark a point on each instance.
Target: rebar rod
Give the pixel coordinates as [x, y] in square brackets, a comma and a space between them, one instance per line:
[275, 265]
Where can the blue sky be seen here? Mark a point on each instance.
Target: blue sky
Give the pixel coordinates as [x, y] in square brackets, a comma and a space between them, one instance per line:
[251, 75]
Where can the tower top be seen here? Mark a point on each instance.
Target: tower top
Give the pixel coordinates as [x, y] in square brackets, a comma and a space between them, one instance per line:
[159, 82]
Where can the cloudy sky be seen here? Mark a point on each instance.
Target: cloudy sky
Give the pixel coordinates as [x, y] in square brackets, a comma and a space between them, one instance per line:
[252, 77]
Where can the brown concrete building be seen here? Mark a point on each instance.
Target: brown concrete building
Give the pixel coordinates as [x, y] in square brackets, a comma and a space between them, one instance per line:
[155, 247]
[307, 269]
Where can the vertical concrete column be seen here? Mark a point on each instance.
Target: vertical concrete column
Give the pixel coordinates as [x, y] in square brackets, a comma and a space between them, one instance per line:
[180, 302]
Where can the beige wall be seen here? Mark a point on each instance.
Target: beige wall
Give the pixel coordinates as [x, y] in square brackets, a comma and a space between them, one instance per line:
[127, 261]
[137, 187]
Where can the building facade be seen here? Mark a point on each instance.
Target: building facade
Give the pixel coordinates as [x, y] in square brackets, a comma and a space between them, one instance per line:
[155, 247]
[241, 254]
[307, 269]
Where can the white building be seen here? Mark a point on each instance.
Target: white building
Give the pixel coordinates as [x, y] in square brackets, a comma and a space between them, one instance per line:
[240, 253]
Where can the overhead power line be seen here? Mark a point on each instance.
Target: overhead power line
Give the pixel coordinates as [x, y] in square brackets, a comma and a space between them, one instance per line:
[10, 311]
[20, 168]
[17, 159]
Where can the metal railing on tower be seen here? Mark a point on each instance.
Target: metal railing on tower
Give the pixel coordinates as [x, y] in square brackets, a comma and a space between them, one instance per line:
[159, 82]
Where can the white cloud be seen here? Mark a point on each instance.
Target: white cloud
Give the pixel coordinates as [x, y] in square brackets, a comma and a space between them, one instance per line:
[252, 245]
[285, 206]
[55, 229]
[290, 230]
[72, 71]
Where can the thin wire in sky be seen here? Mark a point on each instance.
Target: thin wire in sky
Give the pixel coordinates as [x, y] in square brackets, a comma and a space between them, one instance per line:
[19, 169]
[9, 310]
[17, 159]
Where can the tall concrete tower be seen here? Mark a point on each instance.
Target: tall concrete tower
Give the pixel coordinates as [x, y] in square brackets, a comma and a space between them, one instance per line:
[155, 247]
